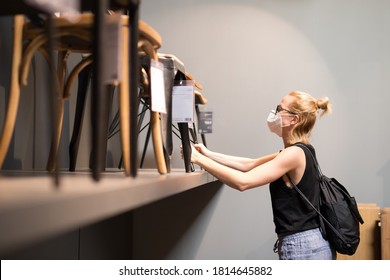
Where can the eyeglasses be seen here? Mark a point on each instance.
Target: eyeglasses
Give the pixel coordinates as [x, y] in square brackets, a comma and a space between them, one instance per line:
[279, 108]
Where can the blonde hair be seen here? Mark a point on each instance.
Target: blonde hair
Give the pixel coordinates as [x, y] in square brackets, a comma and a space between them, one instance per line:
[306, 107]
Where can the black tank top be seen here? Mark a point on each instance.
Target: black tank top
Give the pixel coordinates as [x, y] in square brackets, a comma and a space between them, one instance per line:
[291, 213]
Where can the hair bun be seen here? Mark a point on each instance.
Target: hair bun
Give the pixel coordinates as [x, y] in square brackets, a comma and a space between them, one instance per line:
[324, 104]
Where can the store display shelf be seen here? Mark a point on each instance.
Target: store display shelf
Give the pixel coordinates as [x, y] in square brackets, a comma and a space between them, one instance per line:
[32, 208]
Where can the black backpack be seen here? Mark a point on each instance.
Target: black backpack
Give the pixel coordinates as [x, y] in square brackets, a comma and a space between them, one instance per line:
[338, 212]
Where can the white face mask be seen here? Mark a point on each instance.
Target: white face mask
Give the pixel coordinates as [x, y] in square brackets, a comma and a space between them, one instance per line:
[274, 122]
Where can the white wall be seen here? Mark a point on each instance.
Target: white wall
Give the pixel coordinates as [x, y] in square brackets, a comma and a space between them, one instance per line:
[248, 54]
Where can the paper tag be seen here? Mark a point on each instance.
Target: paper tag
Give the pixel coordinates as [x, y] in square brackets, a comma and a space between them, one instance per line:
[113, 48]
[205, 122]
[157, 87]
[183, 102]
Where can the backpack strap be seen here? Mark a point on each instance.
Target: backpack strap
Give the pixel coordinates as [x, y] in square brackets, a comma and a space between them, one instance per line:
[318, 212]
[317, 166]
[354, 210]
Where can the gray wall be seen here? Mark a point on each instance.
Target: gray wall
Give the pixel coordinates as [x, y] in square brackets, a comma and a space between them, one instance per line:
[248, 54]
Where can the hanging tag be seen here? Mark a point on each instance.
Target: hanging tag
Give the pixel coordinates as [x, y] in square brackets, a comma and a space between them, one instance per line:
[157, 87]
[205, 122]
[113, 48]
[183, 101]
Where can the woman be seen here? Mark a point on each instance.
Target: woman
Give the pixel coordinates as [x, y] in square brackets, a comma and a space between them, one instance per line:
[296, 223]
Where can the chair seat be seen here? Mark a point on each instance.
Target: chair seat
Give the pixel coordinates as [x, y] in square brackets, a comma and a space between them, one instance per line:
[77, 36]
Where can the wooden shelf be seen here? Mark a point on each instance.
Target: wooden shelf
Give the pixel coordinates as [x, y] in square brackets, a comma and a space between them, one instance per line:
[33, 209]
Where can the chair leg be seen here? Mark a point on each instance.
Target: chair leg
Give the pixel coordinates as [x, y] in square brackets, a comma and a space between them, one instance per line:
[166, 119]
[75, 74]
[155, 119]
[83, 83]
[28, 54]
[59, 113]
[185, 140]
[157, 142]
[140, 120]
[14, 93]
[147, 138]
[124, 101]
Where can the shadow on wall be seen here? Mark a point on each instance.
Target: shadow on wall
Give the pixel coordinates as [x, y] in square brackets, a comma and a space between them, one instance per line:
[162, 227]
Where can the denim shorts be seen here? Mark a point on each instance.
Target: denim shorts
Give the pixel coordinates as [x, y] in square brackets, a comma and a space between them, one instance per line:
[305, 245]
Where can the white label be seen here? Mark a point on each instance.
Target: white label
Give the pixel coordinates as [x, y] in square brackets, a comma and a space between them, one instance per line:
[157, 87]
[183, 103]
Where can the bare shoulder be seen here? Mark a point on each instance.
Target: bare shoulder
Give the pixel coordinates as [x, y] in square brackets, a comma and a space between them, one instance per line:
[292, 151]
[293, 155]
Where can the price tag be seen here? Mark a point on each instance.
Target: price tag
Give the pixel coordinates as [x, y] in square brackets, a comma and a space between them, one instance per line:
[205, 122]
[157, 87]
[183, 102]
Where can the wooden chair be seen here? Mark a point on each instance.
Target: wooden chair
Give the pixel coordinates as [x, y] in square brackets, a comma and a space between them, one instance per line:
[14, 92]
[174, 71]
[148, 44]
[72, 37]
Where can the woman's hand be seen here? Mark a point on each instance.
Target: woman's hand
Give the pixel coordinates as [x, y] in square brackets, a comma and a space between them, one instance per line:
[196, 153]
[197, 150]
[201, 149]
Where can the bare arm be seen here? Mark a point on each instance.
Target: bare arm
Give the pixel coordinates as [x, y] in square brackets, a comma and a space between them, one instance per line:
[288, 160]
[238, 163]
